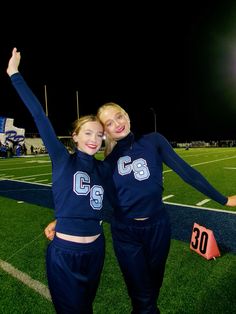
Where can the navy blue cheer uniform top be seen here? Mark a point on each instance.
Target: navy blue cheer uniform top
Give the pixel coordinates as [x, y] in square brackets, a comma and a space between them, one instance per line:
[77, 179]
[137, 173]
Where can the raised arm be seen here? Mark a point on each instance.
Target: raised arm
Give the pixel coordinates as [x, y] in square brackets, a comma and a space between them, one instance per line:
[14, 62]
[55, 148]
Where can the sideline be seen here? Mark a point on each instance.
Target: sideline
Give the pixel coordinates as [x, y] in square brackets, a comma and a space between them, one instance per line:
[182, 216]
[26, 279]
[204, 163]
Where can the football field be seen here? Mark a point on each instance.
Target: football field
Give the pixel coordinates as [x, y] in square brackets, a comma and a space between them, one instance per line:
[192, 284]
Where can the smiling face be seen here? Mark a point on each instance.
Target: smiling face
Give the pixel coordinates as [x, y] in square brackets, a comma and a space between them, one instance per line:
[115, 121]
[89, 137]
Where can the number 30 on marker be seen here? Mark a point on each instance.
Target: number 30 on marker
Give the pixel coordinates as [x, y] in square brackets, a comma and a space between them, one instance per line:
[203, 242]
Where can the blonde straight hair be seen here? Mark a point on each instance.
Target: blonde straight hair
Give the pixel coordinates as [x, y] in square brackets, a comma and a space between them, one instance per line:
[109, 142]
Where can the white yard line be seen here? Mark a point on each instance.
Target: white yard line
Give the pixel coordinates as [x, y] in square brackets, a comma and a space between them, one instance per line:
[38, 161]
[26, 279]
[43, 180]
[167, 196]
[14, 180]
[19, 168]
[35, 175]
[204, 208]
[23, 277]
[9, 176]
[43, 289]
[216, 160]
[205, 162]
[203, 202]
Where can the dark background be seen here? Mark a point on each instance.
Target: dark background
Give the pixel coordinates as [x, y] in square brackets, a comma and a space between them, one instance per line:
[177, 58]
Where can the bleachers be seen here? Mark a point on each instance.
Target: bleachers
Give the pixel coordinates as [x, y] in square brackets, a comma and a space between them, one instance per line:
[34, 145]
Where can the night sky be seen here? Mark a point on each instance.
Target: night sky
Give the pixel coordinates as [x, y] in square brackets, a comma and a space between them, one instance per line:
[179, 59]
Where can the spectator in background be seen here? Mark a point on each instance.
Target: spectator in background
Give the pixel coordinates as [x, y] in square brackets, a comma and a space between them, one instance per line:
[24, 149]
[32, 149]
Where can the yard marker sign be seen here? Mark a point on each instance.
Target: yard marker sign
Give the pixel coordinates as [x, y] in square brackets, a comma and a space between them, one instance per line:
[203, 242]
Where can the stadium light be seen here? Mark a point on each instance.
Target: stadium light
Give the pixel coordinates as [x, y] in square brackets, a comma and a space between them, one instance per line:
[155, 118]
[77, 103]
[46, 100]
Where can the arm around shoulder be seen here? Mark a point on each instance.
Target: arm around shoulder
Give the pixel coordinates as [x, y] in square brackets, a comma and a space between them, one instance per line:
[49, 231]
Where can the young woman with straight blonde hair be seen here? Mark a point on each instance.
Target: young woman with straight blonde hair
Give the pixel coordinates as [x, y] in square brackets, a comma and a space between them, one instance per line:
[140, 226]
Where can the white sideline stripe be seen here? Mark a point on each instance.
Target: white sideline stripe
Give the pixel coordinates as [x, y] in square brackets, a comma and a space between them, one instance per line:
[204, 163]
[204, 208]
[10, 176]
[24, 190]
[26, 279]
[234, 168]
[167, 196]
[35, 175]
[39, 161]
[41, 180]
[17, 168]
[203, 202]
[29, 182]
[216, 160]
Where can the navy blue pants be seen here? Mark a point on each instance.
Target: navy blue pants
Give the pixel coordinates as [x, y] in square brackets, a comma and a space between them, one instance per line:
[141, 248]
[73, 271]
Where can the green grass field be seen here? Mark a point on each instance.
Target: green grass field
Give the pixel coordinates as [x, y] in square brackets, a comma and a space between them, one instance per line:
[192, 284]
